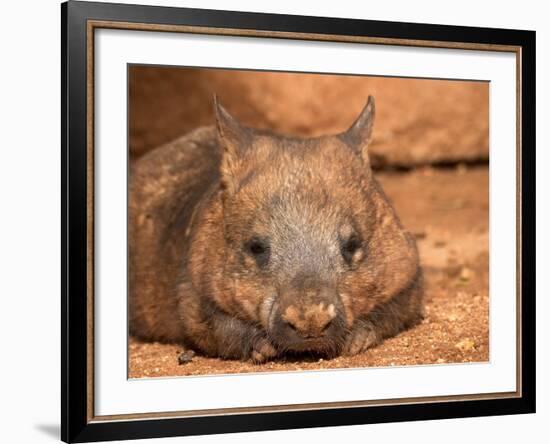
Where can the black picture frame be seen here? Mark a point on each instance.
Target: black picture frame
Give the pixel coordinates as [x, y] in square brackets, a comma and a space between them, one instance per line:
[76, 423]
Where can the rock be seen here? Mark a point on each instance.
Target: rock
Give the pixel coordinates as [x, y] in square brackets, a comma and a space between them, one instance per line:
[418, 121]
[466, 274]
[466, 345]
[185, 357]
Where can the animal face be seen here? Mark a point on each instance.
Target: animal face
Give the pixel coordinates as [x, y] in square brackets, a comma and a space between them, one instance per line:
[298, 218]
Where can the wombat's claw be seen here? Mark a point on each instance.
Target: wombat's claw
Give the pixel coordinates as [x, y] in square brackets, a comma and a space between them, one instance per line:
[359, 341]
[185, 357]
[262, 352]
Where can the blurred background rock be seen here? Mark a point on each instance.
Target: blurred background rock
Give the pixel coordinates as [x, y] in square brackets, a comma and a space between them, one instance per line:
[419, 121]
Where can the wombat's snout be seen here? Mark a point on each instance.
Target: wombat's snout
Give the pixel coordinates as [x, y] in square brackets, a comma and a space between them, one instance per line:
[308, 319]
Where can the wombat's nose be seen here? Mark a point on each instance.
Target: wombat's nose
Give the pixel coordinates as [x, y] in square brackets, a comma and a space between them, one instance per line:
[310, 321]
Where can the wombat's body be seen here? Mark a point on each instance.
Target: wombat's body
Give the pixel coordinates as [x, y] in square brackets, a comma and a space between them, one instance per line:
[247, 245]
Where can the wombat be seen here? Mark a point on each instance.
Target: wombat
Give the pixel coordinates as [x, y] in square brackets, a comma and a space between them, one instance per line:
[244, 244]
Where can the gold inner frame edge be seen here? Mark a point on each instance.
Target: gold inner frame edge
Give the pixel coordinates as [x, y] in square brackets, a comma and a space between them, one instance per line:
[105, 24]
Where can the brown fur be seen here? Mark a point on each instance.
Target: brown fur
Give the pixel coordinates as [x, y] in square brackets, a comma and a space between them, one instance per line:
[245, 244]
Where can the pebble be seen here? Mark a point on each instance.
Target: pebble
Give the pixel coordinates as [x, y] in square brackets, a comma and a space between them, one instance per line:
[466, 345]
[185, 357]
[466, 274]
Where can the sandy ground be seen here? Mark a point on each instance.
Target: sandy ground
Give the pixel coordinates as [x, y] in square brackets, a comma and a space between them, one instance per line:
[447, 210]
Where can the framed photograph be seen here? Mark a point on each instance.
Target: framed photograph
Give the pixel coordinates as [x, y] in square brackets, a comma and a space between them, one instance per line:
[276, 221]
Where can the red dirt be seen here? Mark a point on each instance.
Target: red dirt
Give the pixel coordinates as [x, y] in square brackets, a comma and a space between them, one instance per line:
[448, 210]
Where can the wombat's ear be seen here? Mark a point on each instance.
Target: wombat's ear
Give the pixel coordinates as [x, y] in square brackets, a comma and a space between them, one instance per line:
[231, 133]
[359, 135]
[234, 139]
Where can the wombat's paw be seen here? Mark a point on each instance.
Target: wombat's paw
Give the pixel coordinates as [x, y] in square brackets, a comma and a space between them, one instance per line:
[360, 339]
[262, 351]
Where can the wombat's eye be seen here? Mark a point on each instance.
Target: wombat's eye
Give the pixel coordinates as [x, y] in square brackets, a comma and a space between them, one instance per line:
[259, 249]
[350, 247]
